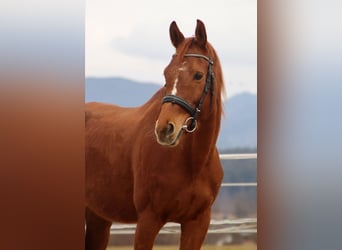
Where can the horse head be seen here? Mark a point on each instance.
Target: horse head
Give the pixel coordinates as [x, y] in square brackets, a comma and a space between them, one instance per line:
[189, 86]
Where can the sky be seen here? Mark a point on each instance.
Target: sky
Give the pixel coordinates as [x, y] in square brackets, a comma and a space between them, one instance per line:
[131, 38]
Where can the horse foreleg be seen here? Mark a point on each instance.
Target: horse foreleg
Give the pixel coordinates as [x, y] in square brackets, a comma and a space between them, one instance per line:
[97, 231]
[193, 232]
[148, 227]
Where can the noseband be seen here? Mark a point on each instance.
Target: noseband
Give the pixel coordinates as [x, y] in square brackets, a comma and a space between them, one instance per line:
[191, 123]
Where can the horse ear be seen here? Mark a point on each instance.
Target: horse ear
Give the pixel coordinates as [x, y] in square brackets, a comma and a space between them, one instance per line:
[176, 36]
[201, 34]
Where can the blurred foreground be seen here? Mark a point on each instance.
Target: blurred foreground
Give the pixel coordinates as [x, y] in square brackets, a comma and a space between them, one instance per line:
[244, 246]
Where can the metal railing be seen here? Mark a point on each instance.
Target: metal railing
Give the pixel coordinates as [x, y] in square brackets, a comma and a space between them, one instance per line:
[239, 157]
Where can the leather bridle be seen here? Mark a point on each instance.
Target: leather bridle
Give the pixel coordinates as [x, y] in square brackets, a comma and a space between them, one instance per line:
[191, 123]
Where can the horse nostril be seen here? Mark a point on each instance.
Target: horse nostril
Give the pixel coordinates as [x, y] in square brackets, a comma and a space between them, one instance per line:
[170, 128]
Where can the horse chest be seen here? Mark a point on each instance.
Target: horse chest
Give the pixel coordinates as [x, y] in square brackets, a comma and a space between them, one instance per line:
[180, 200]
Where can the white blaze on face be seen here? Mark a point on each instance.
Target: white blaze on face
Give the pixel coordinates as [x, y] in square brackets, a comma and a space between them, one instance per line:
[183, 68]
[174, 89]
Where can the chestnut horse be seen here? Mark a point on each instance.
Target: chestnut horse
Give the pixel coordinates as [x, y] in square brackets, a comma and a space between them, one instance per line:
[158, 163]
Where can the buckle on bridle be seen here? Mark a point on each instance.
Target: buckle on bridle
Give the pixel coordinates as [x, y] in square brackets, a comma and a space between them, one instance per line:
[190, 127]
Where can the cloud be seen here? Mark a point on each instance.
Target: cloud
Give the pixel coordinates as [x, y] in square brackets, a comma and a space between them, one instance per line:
[133, 40]
[147, 41]
[152, 42]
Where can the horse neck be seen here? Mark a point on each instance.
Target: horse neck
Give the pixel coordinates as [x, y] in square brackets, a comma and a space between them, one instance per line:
[204, 140]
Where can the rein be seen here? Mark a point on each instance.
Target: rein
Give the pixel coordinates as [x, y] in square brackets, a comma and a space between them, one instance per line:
[190, 124]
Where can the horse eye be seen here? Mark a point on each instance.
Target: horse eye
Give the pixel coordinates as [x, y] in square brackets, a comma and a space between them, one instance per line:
[198, 76]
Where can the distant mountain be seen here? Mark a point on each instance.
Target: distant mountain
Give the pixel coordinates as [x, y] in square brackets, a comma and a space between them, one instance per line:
[119, 91]
[238, 128]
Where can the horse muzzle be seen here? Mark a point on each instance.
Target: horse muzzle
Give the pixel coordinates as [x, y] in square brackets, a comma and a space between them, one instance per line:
[168, 134]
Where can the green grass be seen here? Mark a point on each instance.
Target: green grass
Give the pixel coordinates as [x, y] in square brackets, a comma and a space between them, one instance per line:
[246, 246]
